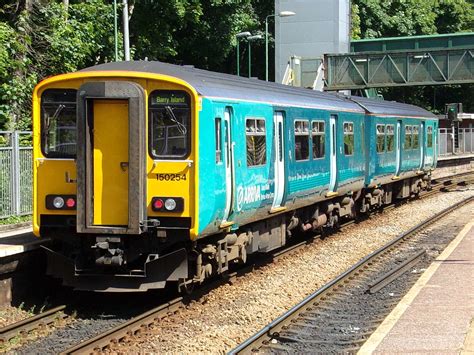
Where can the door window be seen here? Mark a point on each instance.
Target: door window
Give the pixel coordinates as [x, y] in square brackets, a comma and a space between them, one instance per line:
[318, 134]
[301, 140]
[348, 138]
[218, 140]
[429, 137]
[256, 141]
[408, 134]
[380, 138]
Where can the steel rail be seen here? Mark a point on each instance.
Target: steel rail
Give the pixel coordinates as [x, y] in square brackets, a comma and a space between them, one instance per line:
[393, 274]
[23, 327]
[271, 330]
[124, 330]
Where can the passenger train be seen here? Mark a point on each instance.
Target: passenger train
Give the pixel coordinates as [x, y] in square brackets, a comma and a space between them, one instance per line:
[148, 174]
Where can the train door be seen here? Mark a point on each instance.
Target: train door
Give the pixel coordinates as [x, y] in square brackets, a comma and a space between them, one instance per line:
[399, 147]
[279, 163]
[110, 162]
[422, 145]
[228, 161]
[111, 172]
[333, 153]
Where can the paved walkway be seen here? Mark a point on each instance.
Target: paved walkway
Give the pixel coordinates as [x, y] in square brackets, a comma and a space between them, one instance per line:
[17, 241]
[437, 314]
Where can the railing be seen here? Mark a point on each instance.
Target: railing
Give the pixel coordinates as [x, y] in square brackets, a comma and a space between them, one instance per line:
[16, 173]
[398, 68]
[447, 144]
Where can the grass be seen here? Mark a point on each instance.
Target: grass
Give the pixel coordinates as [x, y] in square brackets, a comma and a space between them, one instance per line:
[15, 220]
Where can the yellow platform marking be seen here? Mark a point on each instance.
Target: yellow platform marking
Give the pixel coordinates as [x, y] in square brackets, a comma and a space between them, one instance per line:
[376, 338]
[395, 177]
[110, 151]
[332, 194]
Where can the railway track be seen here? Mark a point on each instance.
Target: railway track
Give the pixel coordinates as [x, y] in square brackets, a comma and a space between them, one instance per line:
[110, 340]
[35, 323]
[326, 321]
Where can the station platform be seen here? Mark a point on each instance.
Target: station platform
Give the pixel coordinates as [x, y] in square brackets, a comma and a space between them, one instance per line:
[18, 241]
[437, 315]
[455, 160]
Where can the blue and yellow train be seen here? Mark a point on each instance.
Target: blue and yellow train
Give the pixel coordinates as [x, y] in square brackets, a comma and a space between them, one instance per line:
[149, 173]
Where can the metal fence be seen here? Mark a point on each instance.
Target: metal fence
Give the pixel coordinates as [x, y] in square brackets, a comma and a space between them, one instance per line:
[447, 144]
[16, 173]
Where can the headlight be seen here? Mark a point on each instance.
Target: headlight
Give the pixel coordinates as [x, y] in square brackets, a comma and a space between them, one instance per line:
[170, 204]
[58, 202]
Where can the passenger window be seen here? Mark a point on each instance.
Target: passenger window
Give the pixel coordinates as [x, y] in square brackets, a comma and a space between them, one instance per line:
[218, 140]
[348, 138]
[407, 137]
[301, 140]
[390, 132]
[415, 138]
[429, 137]
[318, 135]
[380, 138]
[58, 123]
[256, 142]
[170, 124]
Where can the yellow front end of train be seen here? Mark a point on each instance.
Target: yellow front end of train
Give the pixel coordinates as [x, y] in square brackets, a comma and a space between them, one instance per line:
[114, 160]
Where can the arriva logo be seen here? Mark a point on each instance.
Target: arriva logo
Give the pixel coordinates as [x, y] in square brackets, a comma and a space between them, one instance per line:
[246, 195]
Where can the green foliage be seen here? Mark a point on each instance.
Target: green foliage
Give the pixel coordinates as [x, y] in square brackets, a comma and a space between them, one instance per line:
[355, 23]
[393, 18]
[48, 41]
[198, 32]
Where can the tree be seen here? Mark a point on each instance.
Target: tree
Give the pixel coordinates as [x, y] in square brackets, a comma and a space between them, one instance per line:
[197, 32]
[37, 41]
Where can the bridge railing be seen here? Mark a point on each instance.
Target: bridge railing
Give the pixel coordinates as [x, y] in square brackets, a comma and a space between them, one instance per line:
[16, 173]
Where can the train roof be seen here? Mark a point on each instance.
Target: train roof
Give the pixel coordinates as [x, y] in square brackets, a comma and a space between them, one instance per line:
[226, 86]
[382, 107]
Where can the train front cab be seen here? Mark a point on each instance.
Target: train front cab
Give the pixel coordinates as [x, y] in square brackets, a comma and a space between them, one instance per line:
[114, 172]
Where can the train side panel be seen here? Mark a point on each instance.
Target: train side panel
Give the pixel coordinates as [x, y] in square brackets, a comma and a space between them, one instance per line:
[351, 156]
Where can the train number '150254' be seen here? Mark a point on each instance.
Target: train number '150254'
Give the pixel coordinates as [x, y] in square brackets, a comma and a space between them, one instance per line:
[171, 177]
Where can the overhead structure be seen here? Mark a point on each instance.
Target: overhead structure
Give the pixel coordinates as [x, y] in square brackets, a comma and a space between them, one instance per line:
[404, 61]
[318, 27]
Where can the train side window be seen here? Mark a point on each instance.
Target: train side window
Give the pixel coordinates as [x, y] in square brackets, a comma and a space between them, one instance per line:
[58, 123]
[415, 137]
[256, 141]
[429, 137]
[218, 140]
[380, 138]
[390, 132]
[319, 139]
[301, 140]
[408, 130]
[348, 138]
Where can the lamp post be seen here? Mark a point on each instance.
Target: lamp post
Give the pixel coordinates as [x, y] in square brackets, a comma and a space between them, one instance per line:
[126, 39]
[115, 31]
[239, 36]
[280, 14]
[251, 39]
